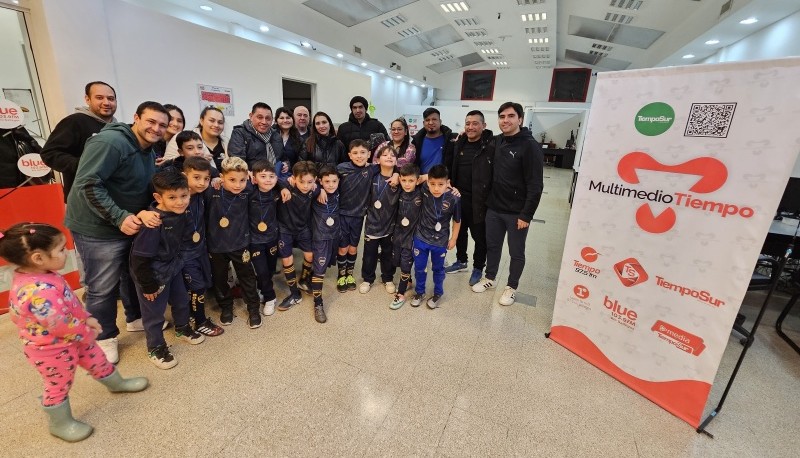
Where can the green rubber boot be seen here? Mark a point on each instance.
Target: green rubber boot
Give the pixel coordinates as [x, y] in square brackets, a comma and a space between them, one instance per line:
[116, 384]
[63, 426]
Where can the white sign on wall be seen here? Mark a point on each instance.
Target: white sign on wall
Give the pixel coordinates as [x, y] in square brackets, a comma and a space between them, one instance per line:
[11, 115]
[220, 97]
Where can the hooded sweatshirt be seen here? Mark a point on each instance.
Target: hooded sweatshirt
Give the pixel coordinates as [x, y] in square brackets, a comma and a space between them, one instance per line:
[64, 146]
[113, 181]
[517, 176]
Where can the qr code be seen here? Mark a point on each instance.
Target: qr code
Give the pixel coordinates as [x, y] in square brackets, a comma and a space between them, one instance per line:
[710, 120]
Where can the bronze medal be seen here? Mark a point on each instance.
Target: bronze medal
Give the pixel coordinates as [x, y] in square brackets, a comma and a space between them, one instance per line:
[224, 222]
[196, 237]
[262, 226]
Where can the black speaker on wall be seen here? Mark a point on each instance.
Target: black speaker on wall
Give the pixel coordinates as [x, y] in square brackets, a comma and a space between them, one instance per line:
[569, 84]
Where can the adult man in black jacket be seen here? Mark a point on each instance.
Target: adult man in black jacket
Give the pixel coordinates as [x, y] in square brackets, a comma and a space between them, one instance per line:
[360, 125]
[252, 139]
[471, 173]
[64, 147]
[434, 143]
[517, 183]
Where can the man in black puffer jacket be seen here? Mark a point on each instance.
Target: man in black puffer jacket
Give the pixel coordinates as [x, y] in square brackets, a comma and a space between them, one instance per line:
[360, 125]
[517, 183]
[252, 140]
[471, 174]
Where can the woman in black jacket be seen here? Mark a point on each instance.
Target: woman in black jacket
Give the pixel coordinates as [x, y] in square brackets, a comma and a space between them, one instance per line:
[322, 146]
[288, 145]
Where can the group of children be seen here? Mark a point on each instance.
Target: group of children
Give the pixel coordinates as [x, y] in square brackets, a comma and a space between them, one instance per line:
[244, 218]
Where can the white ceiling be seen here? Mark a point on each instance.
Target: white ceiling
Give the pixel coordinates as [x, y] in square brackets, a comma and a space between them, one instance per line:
[425, 42]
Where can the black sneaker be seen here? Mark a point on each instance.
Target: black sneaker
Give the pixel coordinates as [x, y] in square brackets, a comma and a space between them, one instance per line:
[162, 358]
[226, 317]
[254, 319]
[304, 286]
[319, 314]
[187, 334]
[289, 302]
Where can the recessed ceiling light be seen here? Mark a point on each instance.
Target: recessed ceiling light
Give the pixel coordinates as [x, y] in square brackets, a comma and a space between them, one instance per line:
[748, 21]
[339, 55]
[421, 85]
[305, 44]
[206, 8]
[712, 42]
[399, 76]
[689, 56]
[363, 64]
[411, 81]
[263, 28]
[382, 71]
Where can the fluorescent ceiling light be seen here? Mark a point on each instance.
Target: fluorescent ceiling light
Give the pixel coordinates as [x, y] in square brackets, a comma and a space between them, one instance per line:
[712, 42]
[363, 64]
[399, 76]
[382, 71]
[206, 8]
[534, 17]
[452, 7]
[748, 21]
[339, 55]
[263, 28]
[689, 56]
[411, 81]
[305, 44]
[421, 85]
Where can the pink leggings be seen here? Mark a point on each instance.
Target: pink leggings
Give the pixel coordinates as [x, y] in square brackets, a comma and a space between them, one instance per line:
[57, 366]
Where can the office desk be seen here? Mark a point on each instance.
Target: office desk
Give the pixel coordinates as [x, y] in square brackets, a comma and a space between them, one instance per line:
[559, 157]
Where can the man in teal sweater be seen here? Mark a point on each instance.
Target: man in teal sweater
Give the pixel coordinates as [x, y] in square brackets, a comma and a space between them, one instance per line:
[107, 206]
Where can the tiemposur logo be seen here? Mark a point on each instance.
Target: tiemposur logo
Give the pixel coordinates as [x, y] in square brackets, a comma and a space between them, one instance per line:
[654, 119]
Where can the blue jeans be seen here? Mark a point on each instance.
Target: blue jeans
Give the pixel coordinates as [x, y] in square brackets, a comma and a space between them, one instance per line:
[105, 262]
[437, 253]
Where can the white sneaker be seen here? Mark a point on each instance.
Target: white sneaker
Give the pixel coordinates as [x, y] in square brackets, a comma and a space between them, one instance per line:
[508, 296]
[390, 288]
[137, 326]
[364, 287]
[111, 349]
[269, 308]
[483, 285]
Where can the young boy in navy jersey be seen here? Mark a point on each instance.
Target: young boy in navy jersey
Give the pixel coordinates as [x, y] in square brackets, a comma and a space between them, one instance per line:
[156, 268]
[325, 217]
[294, 220]
[356, 177]
[409, 209]
[264, 230]
[228, 228]
[196, 265]
[381, 210]
[190, 144]
[433, 234]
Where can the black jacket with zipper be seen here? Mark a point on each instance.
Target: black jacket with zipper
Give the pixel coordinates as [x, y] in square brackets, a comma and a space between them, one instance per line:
[481, 172]
[447, 149]
[517, 176]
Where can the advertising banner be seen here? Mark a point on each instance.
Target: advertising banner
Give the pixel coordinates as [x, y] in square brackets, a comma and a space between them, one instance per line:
[682, 172]
[40, 204]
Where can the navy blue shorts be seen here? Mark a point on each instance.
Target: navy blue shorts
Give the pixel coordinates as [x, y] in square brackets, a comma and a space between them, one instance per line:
[403, 258]
[350, 230]
[197, 273]
[323, 251]
[287, 242]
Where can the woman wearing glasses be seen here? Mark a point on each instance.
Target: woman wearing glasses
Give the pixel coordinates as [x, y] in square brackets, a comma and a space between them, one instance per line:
[401, 140]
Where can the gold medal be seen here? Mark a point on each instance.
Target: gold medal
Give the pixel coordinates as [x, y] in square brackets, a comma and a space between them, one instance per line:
[329, 221]
[224, 222]
[405, 222]
[438, 227]
[245, 256]
[378, 204]
[196, 237]
[262, 226]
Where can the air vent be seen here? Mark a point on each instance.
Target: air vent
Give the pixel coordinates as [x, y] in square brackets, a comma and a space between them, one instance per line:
[725, 7]
[444, 58]
[467, 22]
[356, 50]
[442, 52]
[398, 67]
[540, 48]
[626, 4]
[484, 43]
[619, 18]
[495, 57]
[602, 47]
[394, 21]
[598, 53]
[409, 31]
[476, 33]
[541, 56]
[529, 2]
[535, 30]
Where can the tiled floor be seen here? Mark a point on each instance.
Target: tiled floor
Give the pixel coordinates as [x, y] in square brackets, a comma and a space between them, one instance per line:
[471, 378]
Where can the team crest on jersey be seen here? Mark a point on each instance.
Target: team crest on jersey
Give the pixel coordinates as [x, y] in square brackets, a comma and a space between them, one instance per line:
[364, 173]
[418, 201]
[445, 205]
[321, 261]
[416, 251]
[273, 250]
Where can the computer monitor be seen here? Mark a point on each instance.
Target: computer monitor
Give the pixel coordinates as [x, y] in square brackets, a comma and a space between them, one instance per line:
[790, 202]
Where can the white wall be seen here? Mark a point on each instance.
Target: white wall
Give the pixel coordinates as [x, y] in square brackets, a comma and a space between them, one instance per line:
[15, 70]
[390, 97]
[781, 39]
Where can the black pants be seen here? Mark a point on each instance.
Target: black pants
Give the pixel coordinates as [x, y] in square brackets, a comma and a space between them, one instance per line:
[244, 273]
[476, 230]
[497, 225]
[263, 259]
[369, 260]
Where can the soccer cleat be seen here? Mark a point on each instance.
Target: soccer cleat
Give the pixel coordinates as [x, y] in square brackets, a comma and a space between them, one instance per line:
[289, 302]
[351, 283]
[319, 314]
[341, 284]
